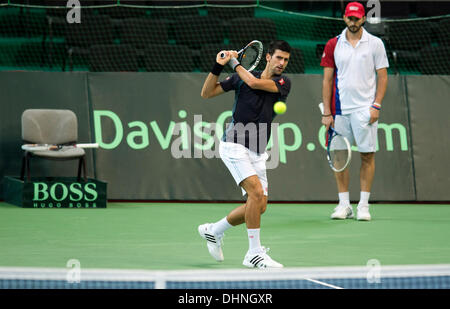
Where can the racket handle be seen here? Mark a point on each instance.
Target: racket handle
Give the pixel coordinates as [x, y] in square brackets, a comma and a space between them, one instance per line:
[222, 55]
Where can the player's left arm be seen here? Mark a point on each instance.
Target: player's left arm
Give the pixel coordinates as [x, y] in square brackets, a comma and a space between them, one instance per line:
[381, 65]
[382, 81]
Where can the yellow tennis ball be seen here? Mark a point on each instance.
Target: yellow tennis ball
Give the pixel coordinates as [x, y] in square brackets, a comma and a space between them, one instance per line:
[279, 107]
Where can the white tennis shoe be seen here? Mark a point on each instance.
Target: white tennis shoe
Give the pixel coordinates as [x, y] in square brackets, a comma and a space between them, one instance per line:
[213, 241]
[260, 260]
[362, 213]
[342, 212]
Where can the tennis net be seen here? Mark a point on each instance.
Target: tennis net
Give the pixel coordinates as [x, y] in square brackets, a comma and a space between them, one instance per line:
[382, 277]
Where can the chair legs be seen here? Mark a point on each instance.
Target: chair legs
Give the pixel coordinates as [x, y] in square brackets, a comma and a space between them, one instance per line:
[82, 165]
[22, 171]
[26, 168]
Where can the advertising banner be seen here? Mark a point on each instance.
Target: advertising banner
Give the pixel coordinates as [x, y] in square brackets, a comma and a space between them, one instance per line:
[159, 138]
[157, 129]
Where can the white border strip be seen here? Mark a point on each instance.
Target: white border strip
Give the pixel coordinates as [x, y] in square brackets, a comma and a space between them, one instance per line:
[304, 273]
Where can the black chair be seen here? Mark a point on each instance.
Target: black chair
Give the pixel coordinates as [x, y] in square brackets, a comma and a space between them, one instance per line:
[141, 32]
[168, 58]
[226, 13]
[296, 62]
[56, 18]
[121, 12]
[435, 60]
[443, 32]
[404, 41]
[51, 126]
[94, 30]
[196, 31]
[246, 30]
[113, 58]
[178, 9]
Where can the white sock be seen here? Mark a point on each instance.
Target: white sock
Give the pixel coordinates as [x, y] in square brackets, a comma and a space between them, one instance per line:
[221, 226]
[364, 198]
[344, 198]
[253, 240]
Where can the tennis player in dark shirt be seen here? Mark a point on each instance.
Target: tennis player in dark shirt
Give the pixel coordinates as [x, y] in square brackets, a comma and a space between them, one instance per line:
[243, 144]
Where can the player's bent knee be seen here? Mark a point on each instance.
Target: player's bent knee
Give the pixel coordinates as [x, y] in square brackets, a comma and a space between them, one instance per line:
[263, 209]
[256, 194]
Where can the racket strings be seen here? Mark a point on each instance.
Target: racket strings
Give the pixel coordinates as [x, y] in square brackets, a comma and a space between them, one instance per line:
[339, 153]
[249, 56]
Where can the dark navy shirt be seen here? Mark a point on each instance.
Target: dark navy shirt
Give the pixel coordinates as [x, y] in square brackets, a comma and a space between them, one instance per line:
[253, 111]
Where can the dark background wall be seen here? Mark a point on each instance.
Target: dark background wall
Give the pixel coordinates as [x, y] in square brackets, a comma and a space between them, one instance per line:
[141, 119]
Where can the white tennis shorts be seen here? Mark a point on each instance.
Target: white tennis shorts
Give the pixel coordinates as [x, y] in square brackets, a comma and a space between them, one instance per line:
[356, 128]
[243, 163]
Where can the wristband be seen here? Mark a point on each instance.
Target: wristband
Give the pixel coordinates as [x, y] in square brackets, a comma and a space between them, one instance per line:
[327, 115]
[217, 69]
[377, 104]
[233, 63]
[375, 107]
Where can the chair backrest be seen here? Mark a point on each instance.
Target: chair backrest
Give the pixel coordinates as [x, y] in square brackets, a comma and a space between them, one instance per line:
[245, 30]
[172, 10]
[142, 31]
[94, 29]
[228, 13]
[443, 35]
[120, 12]
[168, 58]
[113, 58]
[410, 36]
[196, 31]
[435, 60]
[49, 126]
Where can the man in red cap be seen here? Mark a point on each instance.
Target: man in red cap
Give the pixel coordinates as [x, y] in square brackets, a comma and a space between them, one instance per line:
[354, 84]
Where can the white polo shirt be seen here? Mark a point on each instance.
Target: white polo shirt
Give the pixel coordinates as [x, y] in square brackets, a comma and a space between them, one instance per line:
[355, 70]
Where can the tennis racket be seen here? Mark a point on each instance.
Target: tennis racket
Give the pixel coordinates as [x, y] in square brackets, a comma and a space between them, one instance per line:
[339, 150]
[43, 147]
[250, 56]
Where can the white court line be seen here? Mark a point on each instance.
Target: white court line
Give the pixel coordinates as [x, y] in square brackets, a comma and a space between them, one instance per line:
[325, 284]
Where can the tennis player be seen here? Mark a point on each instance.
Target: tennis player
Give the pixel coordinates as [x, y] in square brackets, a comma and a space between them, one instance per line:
[243, 145]
[354, 85]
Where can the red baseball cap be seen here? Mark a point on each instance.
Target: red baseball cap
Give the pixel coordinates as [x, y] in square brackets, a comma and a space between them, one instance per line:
[355, 9]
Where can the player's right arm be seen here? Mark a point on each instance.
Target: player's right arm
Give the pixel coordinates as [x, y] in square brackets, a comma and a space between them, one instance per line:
[328, 65]
[211, 86]
[327, 90]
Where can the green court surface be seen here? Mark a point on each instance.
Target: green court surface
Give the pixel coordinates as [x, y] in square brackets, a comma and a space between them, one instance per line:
[163, 236]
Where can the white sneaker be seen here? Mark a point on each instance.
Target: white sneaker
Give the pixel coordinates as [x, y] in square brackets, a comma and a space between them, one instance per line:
[342, 212]
[260, 260]
[213, 241]
[362, 213]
